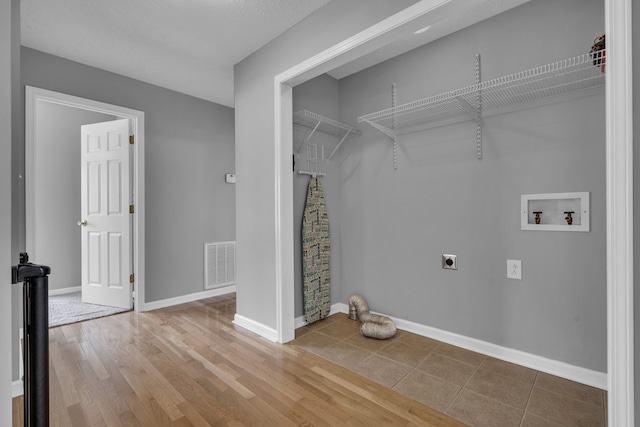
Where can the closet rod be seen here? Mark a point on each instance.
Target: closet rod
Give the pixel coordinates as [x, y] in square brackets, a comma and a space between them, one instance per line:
[313, 174]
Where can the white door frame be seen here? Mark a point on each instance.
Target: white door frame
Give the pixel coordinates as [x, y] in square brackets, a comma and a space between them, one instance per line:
[136, 118]
[619, 164]
[619, 147]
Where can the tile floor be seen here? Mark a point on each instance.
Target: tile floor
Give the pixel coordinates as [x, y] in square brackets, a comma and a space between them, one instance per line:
[473, 388]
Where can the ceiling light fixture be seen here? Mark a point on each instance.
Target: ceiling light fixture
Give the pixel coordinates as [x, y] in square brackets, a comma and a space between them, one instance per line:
[422, 30]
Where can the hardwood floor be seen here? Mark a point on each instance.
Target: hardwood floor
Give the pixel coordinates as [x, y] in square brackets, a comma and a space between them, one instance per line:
[189, 365]
[18, 411]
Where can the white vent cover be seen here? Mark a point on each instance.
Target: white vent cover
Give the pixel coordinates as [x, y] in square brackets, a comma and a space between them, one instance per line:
[219, 264]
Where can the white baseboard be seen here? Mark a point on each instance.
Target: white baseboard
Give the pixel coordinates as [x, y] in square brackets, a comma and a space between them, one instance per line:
[539, 363]
[169, 302]
[258, 328]
[63, 291]
[17, 388]
[299, 322]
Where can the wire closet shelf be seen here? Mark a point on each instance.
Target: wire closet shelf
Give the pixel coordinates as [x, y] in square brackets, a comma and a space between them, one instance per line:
[323, 124]
[501, 94]
[316, 122]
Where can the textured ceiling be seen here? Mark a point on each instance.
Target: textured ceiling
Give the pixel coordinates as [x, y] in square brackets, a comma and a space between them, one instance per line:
[191, 46]
[186, 45]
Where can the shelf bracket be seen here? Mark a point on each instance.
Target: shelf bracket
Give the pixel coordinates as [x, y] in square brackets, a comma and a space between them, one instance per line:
[339, 144]
[314, 130]
[389, 132]
[469, 108]
[479, 112]
[395, 138]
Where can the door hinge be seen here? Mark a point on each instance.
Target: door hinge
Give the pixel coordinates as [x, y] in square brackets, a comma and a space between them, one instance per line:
[131, 278]
[130, 209]
[131, 139]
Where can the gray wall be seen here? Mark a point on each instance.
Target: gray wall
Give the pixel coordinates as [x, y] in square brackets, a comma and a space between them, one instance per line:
[188, 149]
[57, 162]
[320, 96]
[9, 101]
[397, 223]
[254, 108]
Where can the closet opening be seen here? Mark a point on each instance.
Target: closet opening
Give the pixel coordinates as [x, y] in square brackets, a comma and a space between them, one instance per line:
[614, 195]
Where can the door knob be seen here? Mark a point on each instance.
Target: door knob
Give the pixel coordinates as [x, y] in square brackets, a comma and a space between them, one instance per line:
[82, 223]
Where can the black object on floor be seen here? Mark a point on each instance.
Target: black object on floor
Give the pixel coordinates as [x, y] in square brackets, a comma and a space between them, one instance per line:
[36, 339]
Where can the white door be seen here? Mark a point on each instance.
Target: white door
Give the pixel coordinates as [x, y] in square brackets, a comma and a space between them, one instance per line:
[105, 218]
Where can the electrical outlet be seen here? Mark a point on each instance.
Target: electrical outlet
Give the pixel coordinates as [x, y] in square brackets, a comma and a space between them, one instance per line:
[514, 269]
[449, 262]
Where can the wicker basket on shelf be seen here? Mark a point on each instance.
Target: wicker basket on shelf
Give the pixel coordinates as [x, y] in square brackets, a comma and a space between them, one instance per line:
[598, 52]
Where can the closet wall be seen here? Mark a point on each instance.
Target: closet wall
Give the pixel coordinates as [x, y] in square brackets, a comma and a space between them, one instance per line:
[319, 96]
[395, 224]
[255, 142]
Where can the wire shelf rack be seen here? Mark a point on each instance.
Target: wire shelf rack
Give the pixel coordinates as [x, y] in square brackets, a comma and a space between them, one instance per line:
[323, 124]
[472, 102]
[316, 122]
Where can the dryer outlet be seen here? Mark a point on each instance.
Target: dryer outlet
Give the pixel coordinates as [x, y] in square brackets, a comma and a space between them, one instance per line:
[449, 262]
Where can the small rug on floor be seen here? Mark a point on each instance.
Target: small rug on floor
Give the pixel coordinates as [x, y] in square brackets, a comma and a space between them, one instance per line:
[69, 308]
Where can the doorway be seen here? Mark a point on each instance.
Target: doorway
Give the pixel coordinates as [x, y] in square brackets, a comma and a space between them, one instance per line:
[53, 185]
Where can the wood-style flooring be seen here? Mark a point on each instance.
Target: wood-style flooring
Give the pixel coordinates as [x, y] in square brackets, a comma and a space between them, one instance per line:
[189, 365]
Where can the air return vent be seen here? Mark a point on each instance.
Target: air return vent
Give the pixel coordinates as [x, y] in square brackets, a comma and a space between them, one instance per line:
[219, 264]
